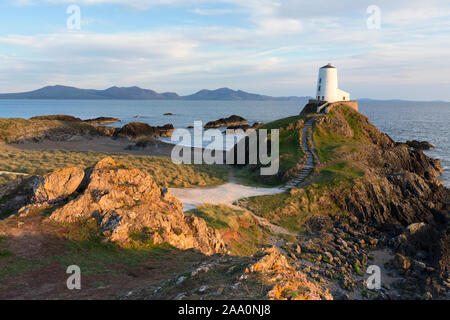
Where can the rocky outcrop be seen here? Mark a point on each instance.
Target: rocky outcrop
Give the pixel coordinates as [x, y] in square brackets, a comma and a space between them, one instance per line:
[126, 203]
[63, 117]
[288, 282]
[68, 128]
[58, 184]
[102, 120]
[105, 131]
[399, 194]
[136, 130]
[226, 122]
[420, 145]
[246, 127]
[59, 117]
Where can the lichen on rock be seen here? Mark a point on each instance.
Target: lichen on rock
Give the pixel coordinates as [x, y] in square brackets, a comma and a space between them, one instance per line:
[288, 282]
[126, 202]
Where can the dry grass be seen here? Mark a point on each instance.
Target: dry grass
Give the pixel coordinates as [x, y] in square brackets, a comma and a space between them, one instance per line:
[5, 178]
[16, 129]
[163, 170]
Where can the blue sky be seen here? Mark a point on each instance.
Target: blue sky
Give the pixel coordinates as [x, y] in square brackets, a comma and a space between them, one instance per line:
[272, 47]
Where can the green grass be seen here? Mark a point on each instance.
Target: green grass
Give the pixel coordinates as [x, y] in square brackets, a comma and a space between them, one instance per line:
[163, 170]
[95, 257]
[338, 172]
[290, 151]
[3, 239]
[5, 253]
[218, 216]
[330, 145]
[85, 246]
[239, 228]
[14, 265]
[291, 209]
[274, 208]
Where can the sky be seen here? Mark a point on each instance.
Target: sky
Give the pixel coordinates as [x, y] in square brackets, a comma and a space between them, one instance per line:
[383, 49]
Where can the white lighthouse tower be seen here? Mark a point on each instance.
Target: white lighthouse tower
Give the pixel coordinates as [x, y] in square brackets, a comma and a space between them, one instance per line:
[327, 86]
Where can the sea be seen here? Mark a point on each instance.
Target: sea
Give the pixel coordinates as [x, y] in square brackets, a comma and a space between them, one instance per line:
[402, 120]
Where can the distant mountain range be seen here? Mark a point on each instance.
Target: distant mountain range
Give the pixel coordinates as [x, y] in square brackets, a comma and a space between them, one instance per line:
[136, 93]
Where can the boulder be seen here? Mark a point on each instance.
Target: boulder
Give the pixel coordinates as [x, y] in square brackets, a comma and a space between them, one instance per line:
[102, 120]
[288, 283]
[415, 227]
[233, 120]
[58, 184]
[127, 205]
[139, 130]
[420, 145]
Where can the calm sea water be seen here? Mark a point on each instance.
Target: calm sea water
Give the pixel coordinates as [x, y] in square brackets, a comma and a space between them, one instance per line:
[403, 121]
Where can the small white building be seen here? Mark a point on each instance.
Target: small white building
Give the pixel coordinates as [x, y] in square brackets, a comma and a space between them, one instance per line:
[327, 86]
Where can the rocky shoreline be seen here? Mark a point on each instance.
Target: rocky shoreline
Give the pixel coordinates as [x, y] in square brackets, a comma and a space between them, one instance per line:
[368, 201]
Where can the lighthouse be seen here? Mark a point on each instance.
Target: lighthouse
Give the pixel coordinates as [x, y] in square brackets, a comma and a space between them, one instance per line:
[327, 86]
[328, 95]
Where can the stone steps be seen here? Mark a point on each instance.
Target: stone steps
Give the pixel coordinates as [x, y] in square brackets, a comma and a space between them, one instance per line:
[308, 168]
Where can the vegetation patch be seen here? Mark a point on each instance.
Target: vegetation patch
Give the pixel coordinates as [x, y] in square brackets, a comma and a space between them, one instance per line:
[162, 169]
[291, 153]
[239, 229]
[291, 209]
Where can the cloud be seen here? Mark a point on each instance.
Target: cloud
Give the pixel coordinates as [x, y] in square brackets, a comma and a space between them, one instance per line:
[275, 48]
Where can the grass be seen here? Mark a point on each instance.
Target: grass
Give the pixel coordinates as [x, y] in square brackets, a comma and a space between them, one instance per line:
[16, 129]
[83, 245]
[330, 145]
[86, 247]
[6, 178]
[163, 170]
[14, 265]
[337, 173]
[291, 209]
[290, 150]
[278, 209]
[240, 230]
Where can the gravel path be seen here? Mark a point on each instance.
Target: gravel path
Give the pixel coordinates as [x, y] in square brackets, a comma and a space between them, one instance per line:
[14, 173]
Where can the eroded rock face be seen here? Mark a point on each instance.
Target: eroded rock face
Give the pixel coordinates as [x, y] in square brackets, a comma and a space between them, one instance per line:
[58, 184]
[127, 203]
